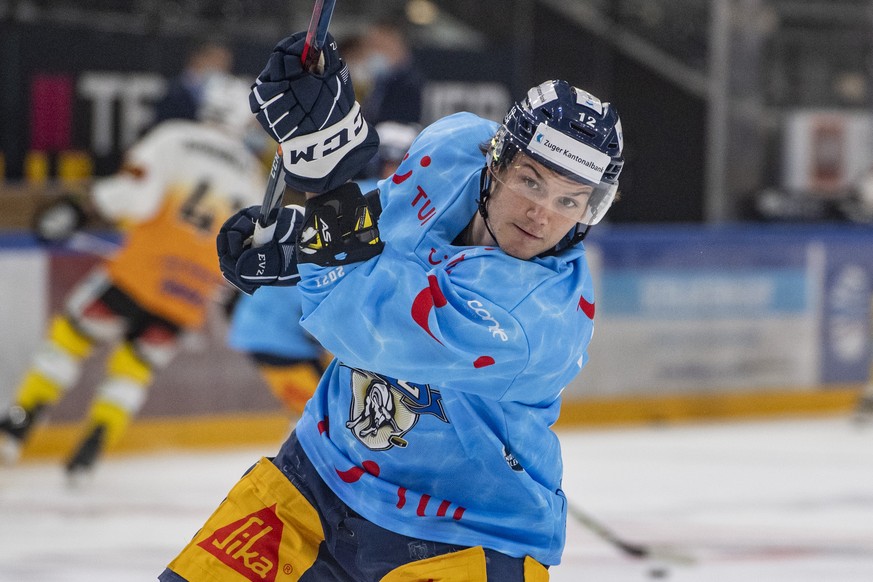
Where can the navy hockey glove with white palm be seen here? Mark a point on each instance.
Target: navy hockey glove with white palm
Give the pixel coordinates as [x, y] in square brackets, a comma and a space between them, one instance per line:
[325, 140]
[274, 263]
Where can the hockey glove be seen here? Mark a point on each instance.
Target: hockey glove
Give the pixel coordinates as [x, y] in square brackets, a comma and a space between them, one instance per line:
[341, 227]
[274, 263]
[57, 221]
[325, 140]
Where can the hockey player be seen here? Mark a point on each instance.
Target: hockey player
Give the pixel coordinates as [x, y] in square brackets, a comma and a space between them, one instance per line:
[464, 297]
[176, 187]
[265, 325]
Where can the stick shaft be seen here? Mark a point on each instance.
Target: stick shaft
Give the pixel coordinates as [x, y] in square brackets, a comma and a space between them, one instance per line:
[316, 36]
[633, 550]
[603, 532]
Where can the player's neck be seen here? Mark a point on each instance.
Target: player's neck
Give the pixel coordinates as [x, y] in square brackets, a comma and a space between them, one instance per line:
[476, 233]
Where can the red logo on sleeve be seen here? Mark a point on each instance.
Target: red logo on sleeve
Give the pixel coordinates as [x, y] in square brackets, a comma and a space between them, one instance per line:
[432, 297]
[428, 298]
[586, 307]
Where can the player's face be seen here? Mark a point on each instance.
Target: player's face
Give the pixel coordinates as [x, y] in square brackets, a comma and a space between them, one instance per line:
[531, 208]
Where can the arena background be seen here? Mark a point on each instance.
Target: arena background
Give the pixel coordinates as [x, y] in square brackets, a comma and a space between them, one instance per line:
[710, 303]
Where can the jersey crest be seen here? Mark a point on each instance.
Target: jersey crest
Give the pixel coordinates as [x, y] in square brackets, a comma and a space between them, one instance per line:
[383, 409]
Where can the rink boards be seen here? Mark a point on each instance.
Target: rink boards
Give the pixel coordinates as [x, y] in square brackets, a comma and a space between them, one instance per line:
[691, 322]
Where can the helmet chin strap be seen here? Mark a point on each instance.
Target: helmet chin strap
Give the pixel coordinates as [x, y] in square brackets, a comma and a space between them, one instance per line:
[574, 237]
[484, 195]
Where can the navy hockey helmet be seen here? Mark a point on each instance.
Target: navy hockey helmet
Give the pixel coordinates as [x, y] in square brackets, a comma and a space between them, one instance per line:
[571, 132]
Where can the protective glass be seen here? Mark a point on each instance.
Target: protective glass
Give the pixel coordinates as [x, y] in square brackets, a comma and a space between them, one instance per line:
[583, 202]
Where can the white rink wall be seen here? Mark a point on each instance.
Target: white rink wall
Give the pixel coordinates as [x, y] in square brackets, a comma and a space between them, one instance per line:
[23, 311]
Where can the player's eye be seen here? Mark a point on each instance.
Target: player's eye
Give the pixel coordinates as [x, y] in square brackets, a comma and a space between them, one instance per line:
[531, 187]
[568, 202]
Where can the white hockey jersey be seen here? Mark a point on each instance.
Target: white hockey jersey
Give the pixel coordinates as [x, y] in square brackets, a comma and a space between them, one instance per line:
[178, 185]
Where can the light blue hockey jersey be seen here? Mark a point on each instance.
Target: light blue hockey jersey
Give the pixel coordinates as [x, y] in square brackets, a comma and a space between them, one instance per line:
[434, 420]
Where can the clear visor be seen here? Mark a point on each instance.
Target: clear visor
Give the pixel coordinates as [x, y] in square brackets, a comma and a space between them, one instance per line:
[580, 201]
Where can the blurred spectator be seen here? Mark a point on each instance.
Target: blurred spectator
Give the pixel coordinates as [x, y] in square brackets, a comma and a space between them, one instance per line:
[859, 206]
[854, 204]
[186, 90]
[355, 55]
[394, 77]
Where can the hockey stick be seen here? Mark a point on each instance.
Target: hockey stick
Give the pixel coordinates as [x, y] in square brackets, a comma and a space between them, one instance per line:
[316, 36]
[633, 550]
[85, 242]
[59, 225]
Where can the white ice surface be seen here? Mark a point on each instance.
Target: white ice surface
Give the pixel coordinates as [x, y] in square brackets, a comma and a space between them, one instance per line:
[780, 501]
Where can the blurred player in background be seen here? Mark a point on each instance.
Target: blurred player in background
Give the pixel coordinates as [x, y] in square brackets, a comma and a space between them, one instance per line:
[174, 190]
[266, 324]
[458, 305]
[266, 327]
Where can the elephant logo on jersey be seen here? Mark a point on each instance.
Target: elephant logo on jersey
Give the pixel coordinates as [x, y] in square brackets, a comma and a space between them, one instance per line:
[383, 409]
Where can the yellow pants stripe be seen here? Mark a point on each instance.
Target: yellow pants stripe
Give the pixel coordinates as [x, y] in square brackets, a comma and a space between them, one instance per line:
[63, 334]
[115, 418]
[125, 362]
[37, 390]
[70, 347]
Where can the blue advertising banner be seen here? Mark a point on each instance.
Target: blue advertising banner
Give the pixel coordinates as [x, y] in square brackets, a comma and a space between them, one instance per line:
[697, 309]
[846, 310]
